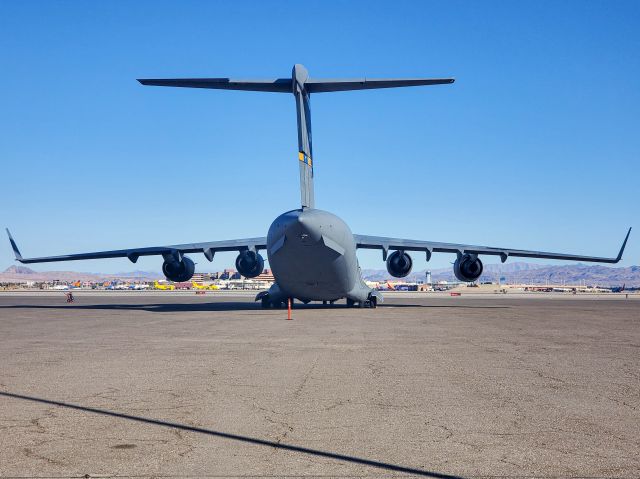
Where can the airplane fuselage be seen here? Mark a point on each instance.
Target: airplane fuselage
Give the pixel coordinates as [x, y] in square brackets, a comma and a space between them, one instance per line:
[312, 254]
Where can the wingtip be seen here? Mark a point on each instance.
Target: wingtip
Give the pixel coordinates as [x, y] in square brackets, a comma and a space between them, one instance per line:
[14, 246]
[624, 245]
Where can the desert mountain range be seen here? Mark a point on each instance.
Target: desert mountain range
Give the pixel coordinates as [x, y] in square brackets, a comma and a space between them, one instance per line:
[21, 273]
[518, 272]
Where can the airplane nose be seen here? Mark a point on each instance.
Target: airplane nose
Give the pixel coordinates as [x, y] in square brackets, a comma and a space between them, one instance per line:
[305, 229]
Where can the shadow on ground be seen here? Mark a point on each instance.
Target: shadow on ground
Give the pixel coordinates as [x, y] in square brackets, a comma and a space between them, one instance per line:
[221, 306]
[235, 437]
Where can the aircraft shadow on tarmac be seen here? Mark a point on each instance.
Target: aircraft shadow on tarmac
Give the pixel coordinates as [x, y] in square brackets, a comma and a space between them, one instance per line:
[225, 306]
[235, 437]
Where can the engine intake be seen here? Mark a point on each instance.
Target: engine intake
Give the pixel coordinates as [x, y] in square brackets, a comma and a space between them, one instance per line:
[467, 268]
[179, 271]
[399, 264]
[249, 264]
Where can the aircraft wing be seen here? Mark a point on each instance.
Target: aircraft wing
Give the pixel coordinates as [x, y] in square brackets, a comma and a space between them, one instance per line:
[429, 247]
[208, 249]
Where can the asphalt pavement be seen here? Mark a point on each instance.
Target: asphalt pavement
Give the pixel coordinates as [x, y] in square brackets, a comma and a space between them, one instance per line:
[212, 385]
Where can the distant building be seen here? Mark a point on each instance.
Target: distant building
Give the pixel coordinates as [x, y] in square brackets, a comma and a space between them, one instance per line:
[429, 277]
[229, 274]
[202, 277]
[266, 276]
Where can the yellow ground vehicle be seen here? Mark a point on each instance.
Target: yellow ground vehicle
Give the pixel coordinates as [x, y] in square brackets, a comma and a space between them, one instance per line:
[163, 287]
[202, 286]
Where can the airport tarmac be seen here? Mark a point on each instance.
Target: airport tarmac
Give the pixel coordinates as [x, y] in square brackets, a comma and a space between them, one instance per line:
[165, 384]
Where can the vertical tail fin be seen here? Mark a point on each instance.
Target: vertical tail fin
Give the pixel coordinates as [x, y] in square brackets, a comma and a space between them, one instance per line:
[299, 76]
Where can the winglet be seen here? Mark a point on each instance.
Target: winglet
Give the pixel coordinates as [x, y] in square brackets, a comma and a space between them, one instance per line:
[624, 244]
[16, 251]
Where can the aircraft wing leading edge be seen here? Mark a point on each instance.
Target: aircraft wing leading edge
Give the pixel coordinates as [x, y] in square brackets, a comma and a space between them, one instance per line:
[429, 247]
[208, 249]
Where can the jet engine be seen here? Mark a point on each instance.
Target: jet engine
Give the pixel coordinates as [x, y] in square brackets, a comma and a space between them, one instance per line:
[399, 264]
[467, 268]
[249, 264]
[179, 271]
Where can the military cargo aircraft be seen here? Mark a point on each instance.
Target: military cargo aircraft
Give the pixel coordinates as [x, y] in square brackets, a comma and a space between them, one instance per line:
[312, 252]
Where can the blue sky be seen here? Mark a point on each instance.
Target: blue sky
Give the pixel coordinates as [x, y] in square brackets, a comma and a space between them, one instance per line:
[535, 146]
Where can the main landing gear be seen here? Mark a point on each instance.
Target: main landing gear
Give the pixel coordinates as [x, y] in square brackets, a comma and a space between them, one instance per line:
[267, 303]
[372, 302]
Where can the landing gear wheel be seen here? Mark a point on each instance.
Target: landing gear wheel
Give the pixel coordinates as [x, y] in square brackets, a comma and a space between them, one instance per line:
[373, 302]
[350, 302]
[266, 304]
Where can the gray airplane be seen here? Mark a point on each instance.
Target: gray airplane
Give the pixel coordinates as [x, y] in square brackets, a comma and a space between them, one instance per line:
[312, 252]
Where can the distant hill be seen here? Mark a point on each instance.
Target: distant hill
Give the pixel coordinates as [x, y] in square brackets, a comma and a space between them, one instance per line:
[17, 273]
[19, 270]
[595, 274]
[520, 272]
[446, 274]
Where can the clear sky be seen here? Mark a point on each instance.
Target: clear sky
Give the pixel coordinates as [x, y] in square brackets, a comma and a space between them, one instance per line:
[536, 145]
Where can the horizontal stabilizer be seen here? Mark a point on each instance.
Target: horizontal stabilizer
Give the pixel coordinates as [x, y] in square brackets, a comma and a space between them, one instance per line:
[278, 85]
[323, 86]
[285, 85]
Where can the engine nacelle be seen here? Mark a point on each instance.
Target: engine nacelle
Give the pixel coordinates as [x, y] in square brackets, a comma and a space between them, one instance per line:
[467, 268]
[399, 264]
[249, 264]
[179, 271]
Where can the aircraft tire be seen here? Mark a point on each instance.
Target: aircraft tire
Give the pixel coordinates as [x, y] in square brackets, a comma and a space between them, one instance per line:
[350, 302]
[266, 304]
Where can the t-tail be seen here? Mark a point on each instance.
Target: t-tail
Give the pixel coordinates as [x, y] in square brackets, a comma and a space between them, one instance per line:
[302, 87]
